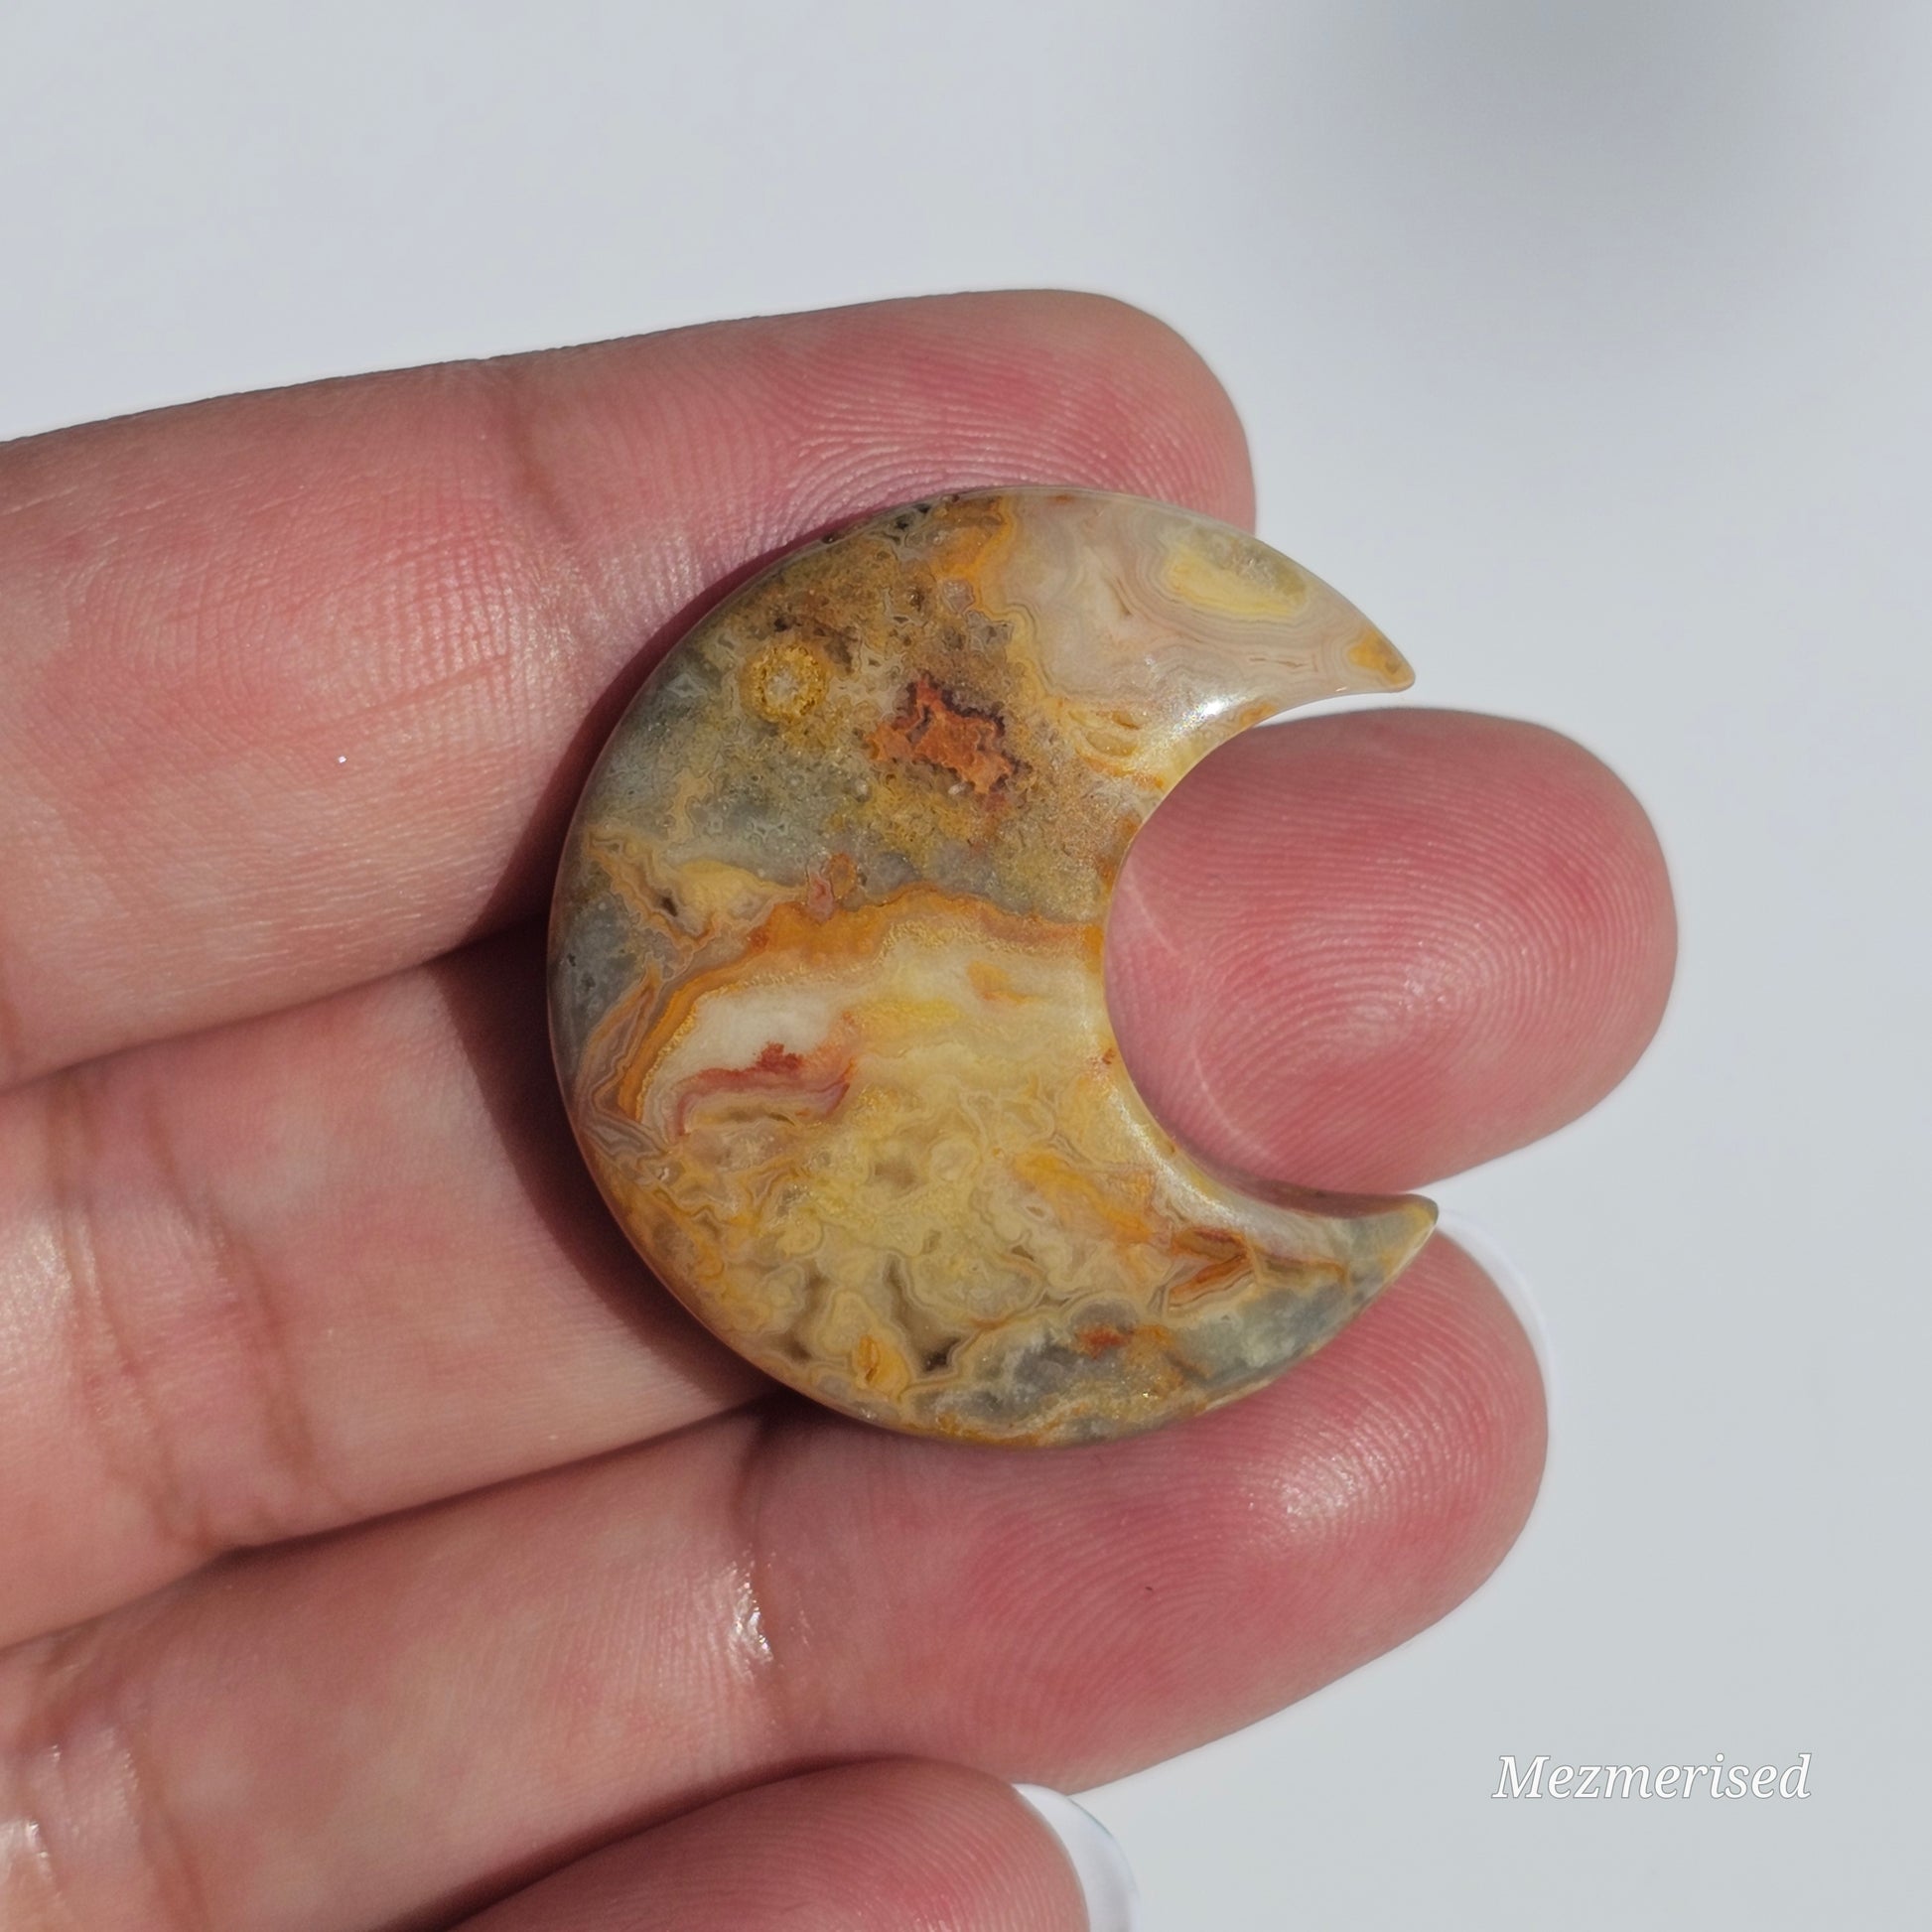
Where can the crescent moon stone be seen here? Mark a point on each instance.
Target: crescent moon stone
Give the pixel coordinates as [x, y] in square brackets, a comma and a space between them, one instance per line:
[826, 971]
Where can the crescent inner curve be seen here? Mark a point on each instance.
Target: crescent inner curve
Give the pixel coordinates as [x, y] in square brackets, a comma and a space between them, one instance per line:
[826, 970]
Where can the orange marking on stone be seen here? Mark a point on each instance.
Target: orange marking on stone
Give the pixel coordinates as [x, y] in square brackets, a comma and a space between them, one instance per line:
[789, 934]
[994, 985]
[1225, 1257]
[932, 729]
[827, 891]
[794, 1083]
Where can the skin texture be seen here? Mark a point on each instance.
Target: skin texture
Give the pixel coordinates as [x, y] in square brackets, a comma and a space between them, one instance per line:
[378, 1542]
[825, 971]
[866, 1848]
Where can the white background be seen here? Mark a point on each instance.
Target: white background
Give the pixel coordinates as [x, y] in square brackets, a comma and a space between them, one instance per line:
[1587, 347]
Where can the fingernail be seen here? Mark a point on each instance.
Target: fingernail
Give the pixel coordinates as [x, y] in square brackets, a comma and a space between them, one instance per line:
[1483, 1248]
[1113, 1899]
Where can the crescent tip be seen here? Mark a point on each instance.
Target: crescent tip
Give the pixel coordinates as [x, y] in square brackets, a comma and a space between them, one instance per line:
[1381, 665]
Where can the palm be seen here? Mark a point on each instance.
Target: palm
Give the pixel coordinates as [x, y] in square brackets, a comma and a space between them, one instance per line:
[293, 1240]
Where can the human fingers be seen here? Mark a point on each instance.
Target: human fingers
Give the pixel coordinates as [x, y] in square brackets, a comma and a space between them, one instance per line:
[295, 689]
[343, 1260]
[368, 1727]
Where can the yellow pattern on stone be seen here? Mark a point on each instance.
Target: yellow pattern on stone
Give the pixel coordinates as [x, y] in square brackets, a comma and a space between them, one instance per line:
[826, 971]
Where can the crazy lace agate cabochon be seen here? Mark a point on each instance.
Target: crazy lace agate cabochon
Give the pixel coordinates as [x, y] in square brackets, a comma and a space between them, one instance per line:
[826, 971]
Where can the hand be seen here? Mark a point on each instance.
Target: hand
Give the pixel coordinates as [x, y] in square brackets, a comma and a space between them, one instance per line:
[377, 1538]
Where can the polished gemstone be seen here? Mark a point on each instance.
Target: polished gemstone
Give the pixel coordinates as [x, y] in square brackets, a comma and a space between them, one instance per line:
[826, 988]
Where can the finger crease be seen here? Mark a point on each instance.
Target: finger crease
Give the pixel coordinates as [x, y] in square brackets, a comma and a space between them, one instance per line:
[13, 1031]
[113, 1388]
[249, 1311]
[560, 587]
[90, 1791]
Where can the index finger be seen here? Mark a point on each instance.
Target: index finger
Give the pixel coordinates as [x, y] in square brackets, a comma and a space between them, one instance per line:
[296, 688]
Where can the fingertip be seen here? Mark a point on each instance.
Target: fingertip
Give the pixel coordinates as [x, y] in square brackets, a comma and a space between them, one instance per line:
[1174, 423]
[1363, 951]
[1072, 1615]
[1461, 1414]
[1396, 1467]
[1488, 1251]
[1058, 385]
